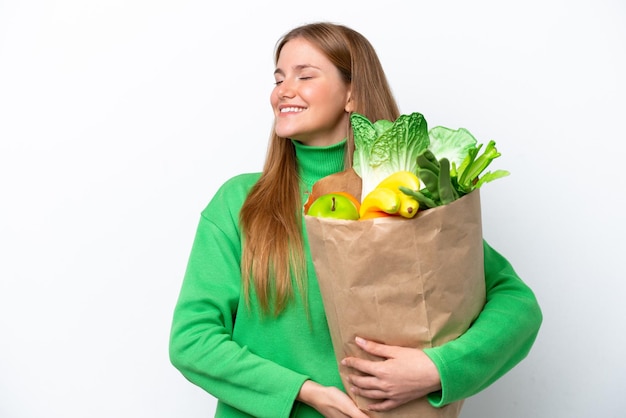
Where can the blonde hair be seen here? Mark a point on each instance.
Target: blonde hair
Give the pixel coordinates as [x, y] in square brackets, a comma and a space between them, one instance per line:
[271, 216]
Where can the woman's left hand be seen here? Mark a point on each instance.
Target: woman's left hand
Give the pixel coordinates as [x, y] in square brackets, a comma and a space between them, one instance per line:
[404, 374]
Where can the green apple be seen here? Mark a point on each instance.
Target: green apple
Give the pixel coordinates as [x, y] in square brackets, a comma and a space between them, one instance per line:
[335, 205]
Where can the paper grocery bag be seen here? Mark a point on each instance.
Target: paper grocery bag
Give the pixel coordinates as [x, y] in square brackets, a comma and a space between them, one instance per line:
[408, 282]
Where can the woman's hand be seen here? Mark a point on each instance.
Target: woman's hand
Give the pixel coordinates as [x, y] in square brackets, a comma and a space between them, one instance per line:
[329, 401]
[403, 375]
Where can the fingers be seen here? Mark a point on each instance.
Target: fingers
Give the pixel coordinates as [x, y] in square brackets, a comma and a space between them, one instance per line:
[386, 402]
[364, 366]
[400, 374]
[329, 401]
[372, 393]
[368, 366]
[380, 350]
[383, 406]
[364, 383]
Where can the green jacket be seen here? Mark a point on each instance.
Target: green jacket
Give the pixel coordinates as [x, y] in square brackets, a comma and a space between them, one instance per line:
[255, 365]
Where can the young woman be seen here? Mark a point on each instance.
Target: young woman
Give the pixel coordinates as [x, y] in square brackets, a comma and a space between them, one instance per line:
[249, 326]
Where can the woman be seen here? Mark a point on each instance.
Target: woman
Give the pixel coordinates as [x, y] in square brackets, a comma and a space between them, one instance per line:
[249, 326]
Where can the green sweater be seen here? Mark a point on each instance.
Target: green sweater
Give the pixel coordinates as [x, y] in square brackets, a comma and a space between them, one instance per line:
[255, 365]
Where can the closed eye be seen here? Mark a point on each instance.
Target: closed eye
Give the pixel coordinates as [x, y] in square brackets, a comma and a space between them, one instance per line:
[278, 82]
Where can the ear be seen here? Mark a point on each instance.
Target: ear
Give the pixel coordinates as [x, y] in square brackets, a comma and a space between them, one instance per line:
[349, 104]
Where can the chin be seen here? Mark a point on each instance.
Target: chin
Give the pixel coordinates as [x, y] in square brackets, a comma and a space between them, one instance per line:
[287, 133]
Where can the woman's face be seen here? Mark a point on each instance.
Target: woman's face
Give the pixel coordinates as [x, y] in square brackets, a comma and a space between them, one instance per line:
[310, 100]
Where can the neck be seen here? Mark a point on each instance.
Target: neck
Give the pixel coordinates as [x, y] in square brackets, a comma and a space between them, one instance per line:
[315, 163]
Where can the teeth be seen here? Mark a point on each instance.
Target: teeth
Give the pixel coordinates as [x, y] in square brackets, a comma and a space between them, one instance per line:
[291, 109]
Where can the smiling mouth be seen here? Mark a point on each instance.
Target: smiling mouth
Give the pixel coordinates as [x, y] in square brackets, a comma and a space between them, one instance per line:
[292, 110]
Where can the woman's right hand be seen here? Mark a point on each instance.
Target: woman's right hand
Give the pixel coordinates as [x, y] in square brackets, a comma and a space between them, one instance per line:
[329, 401]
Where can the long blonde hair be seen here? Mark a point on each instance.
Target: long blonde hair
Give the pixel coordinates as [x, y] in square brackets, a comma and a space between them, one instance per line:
[271, 216]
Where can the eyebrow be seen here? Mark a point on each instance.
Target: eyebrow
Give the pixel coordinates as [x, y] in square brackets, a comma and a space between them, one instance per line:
[297, 68]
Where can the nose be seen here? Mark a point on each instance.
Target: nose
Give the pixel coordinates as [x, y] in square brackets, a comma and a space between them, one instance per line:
[285, 89]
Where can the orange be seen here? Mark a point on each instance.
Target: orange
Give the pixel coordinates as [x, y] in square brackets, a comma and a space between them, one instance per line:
[371, 214]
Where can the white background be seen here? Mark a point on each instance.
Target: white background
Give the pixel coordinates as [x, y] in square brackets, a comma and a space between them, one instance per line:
[118, 120]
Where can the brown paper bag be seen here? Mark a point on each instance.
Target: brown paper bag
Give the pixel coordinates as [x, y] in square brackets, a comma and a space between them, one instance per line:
[409, 282]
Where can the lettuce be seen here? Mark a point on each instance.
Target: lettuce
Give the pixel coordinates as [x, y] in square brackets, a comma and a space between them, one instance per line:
[454, 145]
[384, 147]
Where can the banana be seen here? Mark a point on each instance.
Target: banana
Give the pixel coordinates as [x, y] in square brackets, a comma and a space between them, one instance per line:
[400, 178]
[380, 199]
[408, 206]
[387, 198]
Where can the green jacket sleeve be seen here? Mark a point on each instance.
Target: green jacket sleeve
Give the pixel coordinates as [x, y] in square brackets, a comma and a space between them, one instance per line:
[201, 343]
[499, 338]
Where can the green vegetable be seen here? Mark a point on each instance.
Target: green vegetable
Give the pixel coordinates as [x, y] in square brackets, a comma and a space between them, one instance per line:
[426, 160]
[384, 147]
[424, 201]
[447, 191]
[447, 161]
[469, 172]
[454, 145]
[443, 181]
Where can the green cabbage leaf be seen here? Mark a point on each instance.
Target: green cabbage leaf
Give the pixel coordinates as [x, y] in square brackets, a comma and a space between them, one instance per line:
[384, 147]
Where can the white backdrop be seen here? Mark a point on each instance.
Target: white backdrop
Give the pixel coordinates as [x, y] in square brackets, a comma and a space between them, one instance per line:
[119, 119]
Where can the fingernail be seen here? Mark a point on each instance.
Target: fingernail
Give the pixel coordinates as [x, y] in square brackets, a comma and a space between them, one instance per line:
[359, 340]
